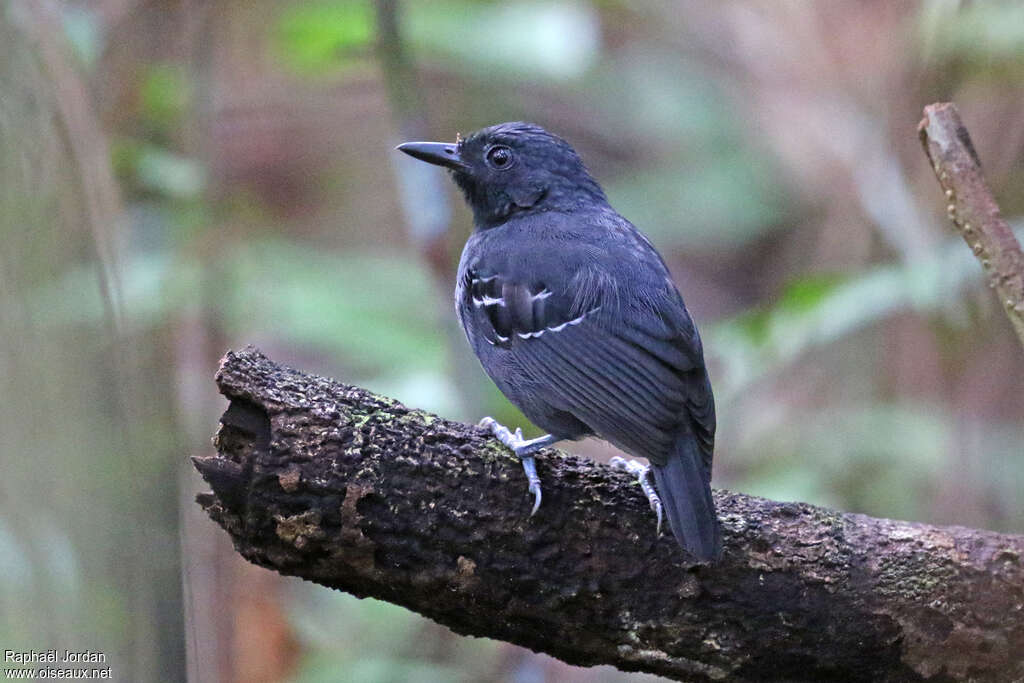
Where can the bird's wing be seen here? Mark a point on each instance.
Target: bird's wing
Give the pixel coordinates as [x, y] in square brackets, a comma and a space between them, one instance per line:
[671, 336]
[627, 368]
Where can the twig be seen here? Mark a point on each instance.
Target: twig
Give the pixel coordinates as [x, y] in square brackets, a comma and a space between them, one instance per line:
[972, 208]
[355, 491]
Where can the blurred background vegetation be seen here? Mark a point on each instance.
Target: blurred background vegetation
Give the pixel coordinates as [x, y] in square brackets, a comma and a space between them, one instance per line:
[179, 177]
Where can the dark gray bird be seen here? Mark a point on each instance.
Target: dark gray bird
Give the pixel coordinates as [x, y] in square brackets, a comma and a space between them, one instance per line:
[575, 317]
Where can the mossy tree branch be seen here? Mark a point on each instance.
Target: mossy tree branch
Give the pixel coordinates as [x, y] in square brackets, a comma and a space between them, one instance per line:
[972, 208]
[336, 485]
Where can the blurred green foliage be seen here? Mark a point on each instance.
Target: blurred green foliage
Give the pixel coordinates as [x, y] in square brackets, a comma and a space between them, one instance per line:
[703, 210]
[326, 619]
[373, 311]
[320, 37]
[527, 40]
[259, 206]
[165, 95]
[821, 309]
[987, 33]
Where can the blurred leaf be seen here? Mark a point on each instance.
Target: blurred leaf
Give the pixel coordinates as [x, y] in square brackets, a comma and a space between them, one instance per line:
[754, 325]
[325, 667]
[338, 630]
[375, 310]
[556, 40]
[83, 31]
[124, 155]
[164, 96]
[711, 204]
[1002, 469]
[158, 170]
[666, 100]
[318, 38]
[15, 568]
[875, 458]
[804, 293]
[61, 569]
[799, 296]
[783, 477]
[152, 287]
[327, 619]
[169, 174]
[980, 31]
[755, 343]
[433, 390]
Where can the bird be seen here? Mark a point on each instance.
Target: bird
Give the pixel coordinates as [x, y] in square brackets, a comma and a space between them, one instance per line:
[574, 315]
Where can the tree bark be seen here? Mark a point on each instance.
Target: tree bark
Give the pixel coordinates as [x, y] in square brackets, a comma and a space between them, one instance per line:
[336, 485]
[972, 208]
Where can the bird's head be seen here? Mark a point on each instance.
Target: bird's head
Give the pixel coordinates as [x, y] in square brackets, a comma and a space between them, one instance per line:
[511, 168]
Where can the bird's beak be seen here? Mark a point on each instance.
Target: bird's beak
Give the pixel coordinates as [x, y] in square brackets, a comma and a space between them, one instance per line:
[437, 153]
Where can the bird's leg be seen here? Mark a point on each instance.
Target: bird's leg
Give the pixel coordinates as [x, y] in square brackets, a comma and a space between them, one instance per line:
[524, 450]
[646, 479]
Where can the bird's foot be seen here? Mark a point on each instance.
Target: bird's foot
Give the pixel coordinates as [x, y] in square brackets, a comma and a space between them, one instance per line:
[646, 479]
[524, 450]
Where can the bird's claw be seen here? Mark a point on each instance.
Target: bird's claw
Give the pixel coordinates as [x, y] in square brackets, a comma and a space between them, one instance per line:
[530, 467]
[644, 476]
[522, 448]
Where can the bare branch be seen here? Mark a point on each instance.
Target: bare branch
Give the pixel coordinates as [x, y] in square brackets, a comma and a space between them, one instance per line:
[972, 208]
[352, 490]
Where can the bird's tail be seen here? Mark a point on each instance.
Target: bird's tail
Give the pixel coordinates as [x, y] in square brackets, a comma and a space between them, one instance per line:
[686, 498]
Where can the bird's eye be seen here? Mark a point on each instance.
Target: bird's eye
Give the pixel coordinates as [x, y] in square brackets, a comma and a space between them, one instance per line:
[499, 157]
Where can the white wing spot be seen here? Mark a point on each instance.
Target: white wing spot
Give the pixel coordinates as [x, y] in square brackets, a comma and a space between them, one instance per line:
[488, 301]
[557, 328]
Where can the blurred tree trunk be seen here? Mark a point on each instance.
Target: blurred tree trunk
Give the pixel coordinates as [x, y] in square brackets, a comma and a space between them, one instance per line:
[237, 626]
